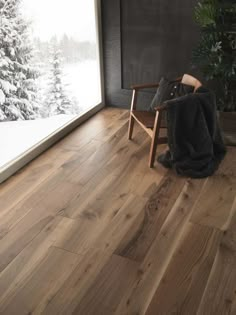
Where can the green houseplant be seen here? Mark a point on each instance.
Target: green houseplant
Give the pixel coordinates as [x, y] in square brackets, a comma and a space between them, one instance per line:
[215, 56]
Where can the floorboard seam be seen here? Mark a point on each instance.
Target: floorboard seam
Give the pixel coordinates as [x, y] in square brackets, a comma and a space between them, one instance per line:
[66, 250]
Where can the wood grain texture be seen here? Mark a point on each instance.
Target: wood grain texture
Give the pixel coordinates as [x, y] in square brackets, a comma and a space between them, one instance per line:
[45, 281]
[161, 251]
[118, 270]
[95, 259]
[112, 147]
[182, 286]
[219, 294]
[138, 240]
[88, 228]
[22, 184]
[18, 272]
[50, 196]
[229, 238]
[94, 126]
[220, 190]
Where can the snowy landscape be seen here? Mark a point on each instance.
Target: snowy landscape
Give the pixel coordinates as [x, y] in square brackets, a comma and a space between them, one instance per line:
[49, 70]
[29, 133]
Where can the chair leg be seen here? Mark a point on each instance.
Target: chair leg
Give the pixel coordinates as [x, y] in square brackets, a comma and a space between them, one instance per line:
[131, 127]
[153, 152]
[156, 130]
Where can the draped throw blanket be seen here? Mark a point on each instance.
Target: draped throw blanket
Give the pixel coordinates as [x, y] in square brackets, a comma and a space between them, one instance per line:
[196, 146]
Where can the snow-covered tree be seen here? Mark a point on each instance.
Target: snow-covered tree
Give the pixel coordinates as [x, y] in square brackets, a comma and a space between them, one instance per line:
[58, 101]
[17, 75]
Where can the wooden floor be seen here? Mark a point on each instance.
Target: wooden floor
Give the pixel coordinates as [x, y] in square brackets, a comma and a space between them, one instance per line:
[87, 228]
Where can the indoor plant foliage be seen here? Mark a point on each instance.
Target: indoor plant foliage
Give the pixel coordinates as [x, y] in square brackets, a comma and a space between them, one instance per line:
[216, 52]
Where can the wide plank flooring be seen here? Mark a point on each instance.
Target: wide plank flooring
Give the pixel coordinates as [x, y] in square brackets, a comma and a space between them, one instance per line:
[88, 228]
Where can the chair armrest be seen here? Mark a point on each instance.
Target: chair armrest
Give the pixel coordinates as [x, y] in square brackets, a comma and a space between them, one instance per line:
[151, 85]
[144, 86]
[160, 107]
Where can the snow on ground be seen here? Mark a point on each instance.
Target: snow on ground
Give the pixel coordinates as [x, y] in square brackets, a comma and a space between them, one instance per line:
[83, 84]
[19, 136]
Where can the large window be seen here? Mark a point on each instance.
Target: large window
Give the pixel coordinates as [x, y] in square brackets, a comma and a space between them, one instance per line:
[49, 69]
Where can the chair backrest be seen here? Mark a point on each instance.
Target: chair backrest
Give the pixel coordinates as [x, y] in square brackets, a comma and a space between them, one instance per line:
[190, 80]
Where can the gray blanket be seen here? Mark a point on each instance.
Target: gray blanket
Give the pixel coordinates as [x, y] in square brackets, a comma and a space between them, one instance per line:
[196, 147]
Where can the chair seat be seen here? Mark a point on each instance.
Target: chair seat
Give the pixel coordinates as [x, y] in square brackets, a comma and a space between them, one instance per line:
[148, 118]
[145, 117]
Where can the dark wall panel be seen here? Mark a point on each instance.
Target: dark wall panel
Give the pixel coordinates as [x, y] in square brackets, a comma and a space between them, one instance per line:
[157, 39]
[144, 40]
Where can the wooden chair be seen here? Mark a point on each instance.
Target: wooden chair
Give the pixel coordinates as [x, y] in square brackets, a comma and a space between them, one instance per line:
[151, 121]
